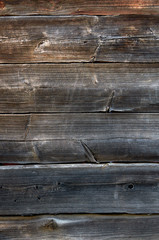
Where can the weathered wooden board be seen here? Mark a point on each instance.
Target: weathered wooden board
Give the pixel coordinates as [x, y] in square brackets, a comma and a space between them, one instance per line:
[71, 151]
[102, 137]
[127, 38]
[73, 7]
[79, 88]
[85, 227]
[79, 188]
[96, 126]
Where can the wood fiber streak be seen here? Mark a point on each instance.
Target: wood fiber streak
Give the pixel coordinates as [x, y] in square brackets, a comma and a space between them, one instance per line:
[127, 38]
[97, 126]
[71, 151]
[76, 7]
[79, 188]
[85, 227]
[79, 88]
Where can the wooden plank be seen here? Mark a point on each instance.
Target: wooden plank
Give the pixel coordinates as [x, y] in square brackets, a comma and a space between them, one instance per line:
[78, 126]
[97, 126]
[127, 38]
[85, 227]
[79, 88]
[71, 151]
[79, 188]
[73, 7]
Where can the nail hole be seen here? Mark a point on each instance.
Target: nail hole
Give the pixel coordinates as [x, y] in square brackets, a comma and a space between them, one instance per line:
[131, 186]
[38, 198]
[37, 187]
[15, 200]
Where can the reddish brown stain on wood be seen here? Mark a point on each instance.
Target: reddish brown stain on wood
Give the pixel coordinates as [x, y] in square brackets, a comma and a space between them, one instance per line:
[76, 7]
[2, 4]
[138, 4]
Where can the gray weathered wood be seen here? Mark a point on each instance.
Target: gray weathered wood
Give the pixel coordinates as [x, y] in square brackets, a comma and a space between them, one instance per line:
[127, 38]
[71, 151]
[78, 126]
[80, 227]
[55, 138]
[79, 88]
[73, 7]
[79, 188]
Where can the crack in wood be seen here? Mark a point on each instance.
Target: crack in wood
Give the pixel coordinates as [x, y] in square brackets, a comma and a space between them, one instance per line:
[94, 57]
[27, 127]
[110, 100]
[36, 153]
[89, 153]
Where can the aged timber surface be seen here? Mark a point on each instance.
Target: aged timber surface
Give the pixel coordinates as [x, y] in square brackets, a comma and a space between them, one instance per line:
[79, 137]
[77, 126]
[79, 188]
[75, 7]
[127, 38]
[85, 227]
[79, 88]
[71, 151]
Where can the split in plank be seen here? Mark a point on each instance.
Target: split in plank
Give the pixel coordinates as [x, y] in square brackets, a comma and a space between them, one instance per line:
[72, 151]
[85, 227]
[79, 188]
[76, 7]
[79, 88]
[127, 38]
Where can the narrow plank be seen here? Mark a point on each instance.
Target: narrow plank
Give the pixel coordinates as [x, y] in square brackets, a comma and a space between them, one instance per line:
[85, 227]
[73, 7]
[126, 38]
[79, 188]
[79, 88]
[78, 126]
[71, 151]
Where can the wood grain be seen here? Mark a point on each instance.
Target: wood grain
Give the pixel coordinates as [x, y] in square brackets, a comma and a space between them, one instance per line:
[85, 227]
[97, 126]
[71, 151]
[55, 138]
[60, 77]
[74, 7]
[79, 188]
[127, 38]
[79, 88]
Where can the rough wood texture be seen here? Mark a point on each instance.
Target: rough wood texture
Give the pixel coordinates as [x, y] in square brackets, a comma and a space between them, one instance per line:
[80, 227]
[127, 38]
[79, 188]
[73, 7]
[102, 137]
[97, 126]
[79, 88]
[71, 151]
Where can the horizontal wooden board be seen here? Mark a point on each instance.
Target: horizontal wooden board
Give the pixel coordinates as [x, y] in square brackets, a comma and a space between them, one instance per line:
[85, 227]
[79, 188]
[79, 88]
[71, 151]
[73, 7]
[92, 126]
[127, 38]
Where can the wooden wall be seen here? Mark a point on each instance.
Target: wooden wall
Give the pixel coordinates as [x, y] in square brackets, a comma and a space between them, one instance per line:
[79, 119]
